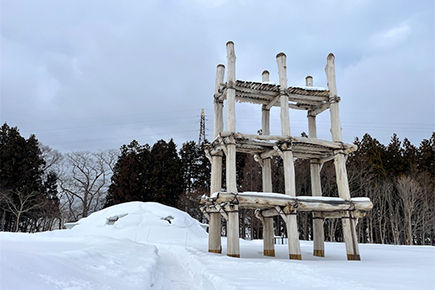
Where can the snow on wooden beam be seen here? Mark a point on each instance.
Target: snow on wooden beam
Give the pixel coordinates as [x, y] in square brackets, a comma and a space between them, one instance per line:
[298, 203]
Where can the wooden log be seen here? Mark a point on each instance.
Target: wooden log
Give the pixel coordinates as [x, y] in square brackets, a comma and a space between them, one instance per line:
[266, 169]
[273, 102]
[312, 128]
[231, 92]
[309, 81]
[265, 121]
[350, 238]
[294, 247]
[289, 173]
[265, 76]
[355, 214]
[231, 168]
[349, 226]
[218, 105]
[333, 103]
[316, 187]
[341, 176]
[321, 215]
[214, 236]
[266, 172]
[265, 113]
[292, 234]
[297, 203]
[214, 233]
[268, 237]
[268, 154]
[318, 229]
[320, 109]
[300, 106]
[233, 246]
[282, 71]
[316, 100]
[293, 139]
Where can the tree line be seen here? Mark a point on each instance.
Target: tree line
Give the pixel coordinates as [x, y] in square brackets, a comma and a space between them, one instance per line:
[399, 179]
[40, 188]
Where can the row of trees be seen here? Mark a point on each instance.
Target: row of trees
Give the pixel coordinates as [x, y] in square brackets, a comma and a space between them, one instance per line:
[160, 174]
[398, 178]
[41, 188]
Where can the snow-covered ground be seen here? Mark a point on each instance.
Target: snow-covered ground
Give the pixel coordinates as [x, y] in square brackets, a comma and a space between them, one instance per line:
[142, 250]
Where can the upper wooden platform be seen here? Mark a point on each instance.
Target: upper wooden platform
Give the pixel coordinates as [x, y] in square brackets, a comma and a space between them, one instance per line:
[311, 99]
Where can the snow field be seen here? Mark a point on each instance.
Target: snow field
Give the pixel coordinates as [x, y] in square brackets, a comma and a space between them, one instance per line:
[143, 250]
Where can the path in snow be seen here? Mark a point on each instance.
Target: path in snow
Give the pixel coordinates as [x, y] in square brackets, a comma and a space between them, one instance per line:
[171, 274]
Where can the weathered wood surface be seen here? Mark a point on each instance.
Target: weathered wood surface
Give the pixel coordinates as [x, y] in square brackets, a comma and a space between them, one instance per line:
[231, 94]
[264, 145]
[263, 200]
[291, 139]
[264, 93]
[333, 101]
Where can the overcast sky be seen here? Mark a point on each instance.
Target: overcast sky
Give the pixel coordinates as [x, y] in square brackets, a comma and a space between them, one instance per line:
[90, 75]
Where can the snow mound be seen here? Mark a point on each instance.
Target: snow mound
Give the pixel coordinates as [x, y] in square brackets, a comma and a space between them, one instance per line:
[145, 222]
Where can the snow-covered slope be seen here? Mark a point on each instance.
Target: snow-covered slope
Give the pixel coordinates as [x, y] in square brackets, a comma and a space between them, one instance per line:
[143, 250]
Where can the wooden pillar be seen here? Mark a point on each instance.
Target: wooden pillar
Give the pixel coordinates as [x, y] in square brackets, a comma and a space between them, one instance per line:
[233, 247]
[318, 221]
[316, 187]
[214, 234]
[266, 171]
[289, 169]
[268, 237]
[349, 224]
[265, 128]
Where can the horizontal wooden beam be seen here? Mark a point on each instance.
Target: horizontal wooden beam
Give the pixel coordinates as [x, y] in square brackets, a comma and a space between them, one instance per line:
[307, 99]
[298, 203]
[272, 212]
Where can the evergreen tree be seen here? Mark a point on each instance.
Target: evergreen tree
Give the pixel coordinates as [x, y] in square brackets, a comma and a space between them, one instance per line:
[130, 176]
[166, 180]
[395, 164]
[426, 156]
[195, 168]
[23, 194]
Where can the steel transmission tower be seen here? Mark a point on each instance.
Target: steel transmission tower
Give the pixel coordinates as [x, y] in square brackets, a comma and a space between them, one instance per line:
[202, 128]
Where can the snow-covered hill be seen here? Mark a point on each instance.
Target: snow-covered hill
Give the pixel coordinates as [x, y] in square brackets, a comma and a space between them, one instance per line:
[152, 246]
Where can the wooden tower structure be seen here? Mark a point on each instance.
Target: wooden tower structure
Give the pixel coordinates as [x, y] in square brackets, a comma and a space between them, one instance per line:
[267, 204]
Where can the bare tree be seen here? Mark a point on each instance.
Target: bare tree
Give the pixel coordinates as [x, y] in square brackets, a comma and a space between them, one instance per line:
[51, 157]
[19, 203]
[426, 211]
[410, 195]
[84, 180]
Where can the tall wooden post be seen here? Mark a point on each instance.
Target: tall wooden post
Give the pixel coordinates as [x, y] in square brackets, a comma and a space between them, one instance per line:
[289, 169]
[265, 129]
[233, 247]
[349, 224]
[316, 187]
[214, 235]
[266, 171]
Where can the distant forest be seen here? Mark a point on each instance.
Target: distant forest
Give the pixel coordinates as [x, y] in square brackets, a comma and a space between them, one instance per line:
[41, 189]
